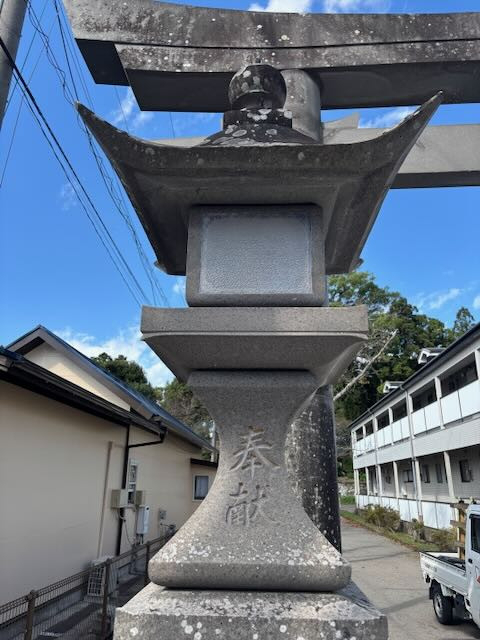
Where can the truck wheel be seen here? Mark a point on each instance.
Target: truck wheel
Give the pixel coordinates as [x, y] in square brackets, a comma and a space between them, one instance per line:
[442, 605]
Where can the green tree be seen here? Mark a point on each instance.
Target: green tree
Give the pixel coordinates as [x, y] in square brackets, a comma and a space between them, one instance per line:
[176, 397]
[359, 287]
[129, 372]
[464, 321]
[179, 400]
[393, 322]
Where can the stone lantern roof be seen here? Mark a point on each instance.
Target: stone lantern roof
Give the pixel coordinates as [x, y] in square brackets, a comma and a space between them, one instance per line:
[348, 182]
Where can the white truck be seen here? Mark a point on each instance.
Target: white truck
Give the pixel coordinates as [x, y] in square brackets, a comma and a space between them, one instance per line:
[454, 583]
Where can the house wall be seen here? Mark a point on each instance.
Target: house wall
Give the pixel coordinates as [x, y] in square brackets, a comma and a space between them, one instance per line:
[388, 487]
[466, 489]
[407, 489]
[164, 471]
[433, 490]
[48, 358]
[56, 478]
[52, 477]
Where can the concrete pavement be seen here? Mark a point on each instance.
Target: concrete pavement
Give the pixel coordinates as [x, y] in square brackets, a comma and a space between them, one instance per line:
[389, 574]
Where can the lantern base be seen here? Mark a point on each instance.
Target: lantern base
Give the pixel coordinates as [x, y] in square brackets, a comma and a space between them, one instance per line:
[163, 614]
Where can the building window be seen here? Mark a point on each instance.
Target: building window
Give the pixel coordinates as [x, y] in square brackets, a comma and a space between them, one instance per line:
[459, 379]
[132, 480]
[383, 420]
[424, 398]
[439, 472]
[400, 411]
[465, 471]
[408, 475]
[200, 487]
[475, 531]
[425, 473]
[388, 477]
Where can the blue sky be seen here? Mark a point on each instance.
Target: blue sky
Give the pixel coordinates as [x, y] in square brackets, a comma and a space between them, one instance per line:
[55, 271]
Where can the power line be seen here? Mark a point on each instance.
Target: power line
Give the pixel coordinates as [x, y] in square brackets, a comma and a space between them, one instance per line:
[171, 122]
[109, 184]
[19, 111]
[73, 49]
[64, 162]
[32, 40]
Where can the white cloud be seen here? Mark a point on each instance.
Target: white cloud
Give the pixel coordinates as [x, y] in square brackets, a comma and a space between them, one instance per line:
[438, 299]
[158, 374]
[125, 109]
[388, 119]
[128, 115]
[126, 342]
[476, 302]
[285, 6]
[179, 287]
[356, 6]
[67, 197]
[142, 118]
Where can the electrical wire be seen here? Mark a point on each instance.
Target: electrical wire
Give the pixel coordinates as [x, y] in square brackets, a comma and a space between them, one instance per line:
[109, 184]
[171, 122]
[65, 164]
[25, 59]
[117, 198]
[19, 110]
[122, 111]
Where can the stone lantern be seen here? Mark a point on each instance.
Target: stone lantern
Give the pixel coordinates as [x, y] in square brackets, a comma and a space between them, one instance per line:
[256, 217]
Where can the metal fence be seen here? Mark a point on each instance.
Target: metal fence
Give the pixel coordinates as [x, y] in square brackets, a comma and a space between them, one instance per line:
[81, 606]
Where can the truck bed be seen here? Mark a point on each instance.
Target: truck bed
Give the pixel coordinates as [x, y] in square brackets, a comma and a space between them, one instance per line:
[445, 568]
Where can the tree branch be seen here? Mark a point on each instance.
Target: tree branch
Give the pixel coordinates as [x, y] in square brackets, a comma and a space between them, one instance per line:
[354, 380]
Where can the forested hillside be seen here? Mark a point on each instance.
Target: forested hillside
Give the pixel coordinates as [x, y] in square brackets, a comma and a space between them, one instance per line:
[398, 331]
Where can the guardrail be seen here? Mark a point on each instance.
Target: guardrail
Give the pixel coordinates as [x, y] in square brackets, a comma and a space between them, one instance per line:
[81, 606]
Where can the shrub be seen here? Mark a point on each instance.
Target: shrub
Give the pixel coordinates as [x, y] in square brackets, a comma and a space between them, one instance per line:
[445, 539]
[418, 530]
[383, 517]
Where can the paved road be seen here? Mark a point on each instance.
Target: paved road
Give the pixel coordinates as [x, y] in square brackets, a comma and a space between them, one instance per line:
[389, 574]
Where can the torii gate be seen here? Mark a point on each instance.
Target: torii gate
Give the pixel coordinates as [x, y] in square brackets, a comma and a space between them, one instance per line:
[182, 58]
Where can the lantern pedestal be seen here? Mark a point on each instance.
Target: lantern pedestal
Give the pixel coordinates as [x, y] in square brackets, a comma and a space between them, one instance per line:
[156, 613]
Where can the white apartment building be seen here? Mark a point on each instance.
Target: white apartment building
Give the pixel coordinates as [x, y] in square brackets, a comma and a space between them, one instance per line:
[417, 450]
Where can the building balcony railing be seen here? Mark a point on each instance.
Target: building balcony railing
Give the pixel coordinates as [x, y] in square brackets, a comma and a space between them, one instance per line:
[462, 403]
[384, 436]
[400, 429]
[426, 418]
[455, 406]
[436, 515]
[365, 445]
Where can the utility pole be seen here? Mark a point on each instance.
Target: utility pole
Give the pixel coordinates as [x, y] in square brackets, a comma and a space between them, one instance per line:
[12, 15]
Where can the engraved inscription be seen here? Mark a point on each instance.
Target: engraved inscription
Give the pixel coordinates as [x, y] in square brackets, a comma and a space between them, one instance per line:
[251, 455]
[247, 509]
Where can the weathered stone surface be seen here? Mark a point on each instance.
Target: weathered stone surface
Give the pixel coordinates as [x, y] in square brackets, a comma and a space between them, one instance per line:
[182, 58]
[304, 102]
[256, 256]
[347, 181]
[251, 531]
[312, 463]
[318, 339]
[158, 614]
[443, 156]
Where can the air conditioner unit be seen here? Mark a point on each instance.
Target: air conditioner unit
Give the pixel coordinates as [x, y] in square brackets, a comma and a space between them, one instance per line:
[140, 498]
[96, 579]
[119, 499]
